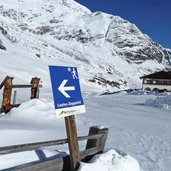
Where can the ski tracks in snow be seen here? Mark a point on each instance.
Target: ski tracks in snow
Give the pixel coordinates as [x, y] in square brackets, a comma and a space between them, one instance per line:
[152, 153]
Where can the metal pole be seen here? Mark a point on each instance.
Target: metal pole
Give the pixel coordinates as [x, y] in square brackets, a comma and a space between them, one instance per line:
[14, 97]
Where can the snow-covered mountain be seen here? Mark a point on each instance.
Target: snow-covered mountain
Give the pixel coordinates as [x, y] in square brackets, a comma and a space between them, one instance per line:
[108, 50]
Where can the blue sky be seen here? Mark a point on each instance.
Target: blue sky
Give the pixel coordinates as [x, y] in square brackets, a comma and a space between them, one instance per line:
[152, 17]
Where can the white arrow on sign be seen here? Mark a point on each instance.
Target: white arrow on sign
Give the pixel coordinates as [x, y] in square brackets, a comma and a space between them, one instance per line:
[63, 89]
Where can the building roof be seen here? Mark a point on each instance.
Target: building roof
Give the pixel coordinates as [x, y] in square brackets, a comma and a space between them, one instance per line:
[159, 75]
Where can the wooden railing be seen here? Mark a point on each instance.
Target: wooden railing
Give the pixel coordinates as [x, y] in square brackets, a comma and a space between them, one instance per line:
[7, 93]
[95, 144]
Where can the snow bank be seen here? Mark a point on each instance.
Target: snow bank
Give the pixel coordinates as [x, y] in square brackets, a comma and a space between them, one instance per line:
[34, 107]
[111, 161]
[36, 112]
[163, 101]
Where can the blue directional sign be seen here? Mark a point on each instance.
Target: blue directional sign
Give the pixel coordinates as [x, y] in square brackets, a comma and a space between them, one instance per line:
[66, 91]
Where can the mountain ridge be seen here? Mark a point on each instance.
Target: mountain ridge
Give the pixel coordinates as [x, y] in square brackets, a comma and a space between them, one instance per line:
[63, 32]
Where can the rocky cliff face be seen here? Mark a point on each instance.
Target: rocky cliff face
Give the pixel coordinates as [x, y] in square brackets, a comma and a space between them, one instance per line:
[132, 44]
[2, 47]
[101, 45]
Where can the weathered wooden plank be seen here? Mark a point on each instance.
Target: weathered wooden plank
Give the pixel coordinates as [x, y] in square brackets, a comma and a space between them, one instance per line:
[93, 136]
[100, 141]
[23, 86]
[91, 152]
[58, 164]
[72, 142]
[63, 163]
[34, 90]
[97, 142]
[32, 146]
[6, 101]
[51, 165]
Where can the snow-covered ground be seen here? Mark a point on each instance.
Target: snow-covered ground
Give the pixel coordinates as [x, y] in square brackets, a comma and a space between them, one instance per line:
[162, 101]
[111, 161]
[135, 128]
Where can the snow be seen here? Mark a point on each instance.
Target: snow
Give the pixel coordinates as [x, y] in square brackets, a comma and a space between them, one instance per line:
[162, 101]
[62, 32]
[141, 131]
[111, 161]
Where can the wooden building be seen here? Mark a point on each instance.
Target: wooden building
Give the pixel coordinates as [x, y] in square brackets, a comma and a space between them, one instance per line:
[158, 81]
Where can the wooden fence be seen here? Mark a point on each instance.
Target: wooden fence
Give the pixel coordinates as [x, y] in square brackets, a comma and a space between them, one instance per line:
[96, 140]
[7, 93]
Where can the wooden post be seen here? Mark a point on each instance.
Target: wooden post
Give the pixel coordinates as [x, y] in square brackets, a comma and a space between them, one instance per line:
[72, 142]
[98, 142]
[6, 101]
[35, 87]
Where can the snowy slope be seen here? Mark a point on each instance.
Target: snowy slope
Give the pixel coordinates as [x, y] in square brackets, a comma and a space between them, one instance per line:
[108, 50]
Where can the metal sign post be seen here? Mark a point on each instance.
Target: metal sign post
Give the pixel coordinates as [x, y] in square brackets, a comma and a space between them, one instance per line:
[68, 102]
